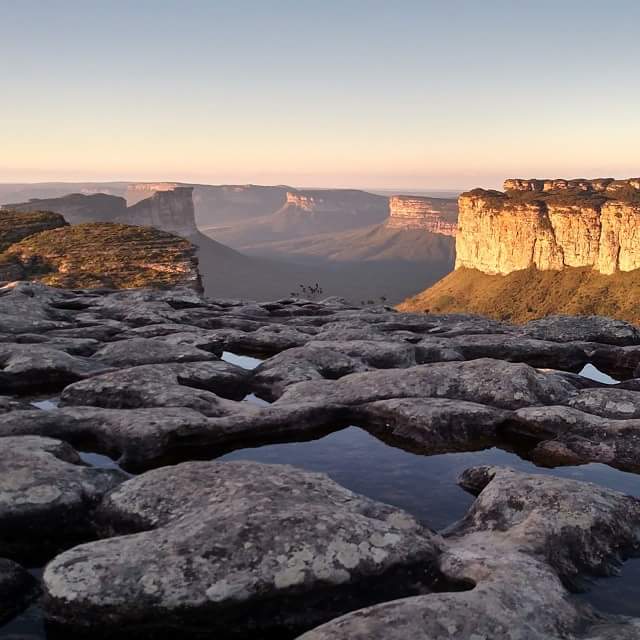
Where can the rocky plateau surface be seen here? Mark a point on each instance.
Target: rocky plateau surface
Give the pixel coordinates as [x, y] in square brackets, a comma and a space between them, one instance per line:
[171, 542]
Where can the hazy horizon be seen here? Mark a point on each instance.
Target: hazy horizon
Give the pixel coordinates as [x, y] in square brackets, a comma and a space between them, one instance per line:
[416, 95]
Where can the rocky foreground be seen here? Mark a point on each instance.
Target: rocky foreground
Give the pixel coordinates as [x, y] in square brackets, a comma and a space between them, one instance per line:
[204, 548]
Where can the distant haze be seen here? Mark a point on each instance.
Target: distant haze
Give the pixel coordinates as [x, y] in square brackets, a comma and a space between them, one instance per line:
[407, 95]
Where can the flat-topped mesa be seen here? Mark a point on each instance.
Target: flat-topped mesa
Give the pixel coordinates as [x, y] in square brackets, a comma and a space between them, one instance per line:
[142, 190]
[550, 225]
[171, 210]
[331, 199]
[597, 185]
[436, 215]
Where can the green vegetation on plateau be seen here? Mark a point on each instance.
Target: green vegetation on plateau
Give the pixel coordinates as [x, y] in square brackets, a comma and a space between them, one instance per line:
[100, 255]
[524, 295]
[16, 226]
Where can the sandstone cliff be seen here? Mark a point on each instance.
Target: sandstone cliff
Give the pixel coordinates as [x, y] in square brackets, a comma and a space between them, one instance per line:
[169, 210]
[551, 225]
[436, 215]
[543, 247]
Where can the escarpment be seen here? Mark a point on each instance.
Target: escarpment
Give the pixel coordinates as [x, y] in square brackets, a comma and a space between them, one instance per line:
[543, 247]
[169, 209]
[551, 225]
[436, 215]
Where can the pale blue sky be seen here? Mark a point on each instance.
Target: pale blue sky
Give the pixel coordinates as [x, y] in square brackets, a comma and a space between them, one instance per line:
[367, 93]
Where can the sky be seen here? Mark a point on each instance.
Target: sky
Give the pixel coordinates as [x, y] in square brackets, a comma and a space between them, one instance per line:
[348, 93]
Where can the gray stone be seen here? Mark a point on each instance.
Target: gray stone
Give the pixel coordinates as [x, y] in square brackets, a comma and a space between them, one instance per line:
[236, 547]
[140, 351]
[196, 385]
[583, 328]
[433, 425]
[33, 367]
[524, 539]
[492, 382]
[46, 495]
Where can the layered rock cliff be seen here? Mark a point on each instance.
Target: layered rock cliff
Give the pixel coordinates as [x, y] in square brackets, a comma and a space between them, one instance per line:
[544, 247]
[551, 225]
[436, 215]
[169, 210]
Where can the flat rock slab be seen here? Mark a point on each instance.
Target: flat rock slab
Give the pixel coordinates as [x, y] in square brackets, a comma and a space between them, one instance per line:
[525, 537]
[568, 436]
[17, 589]
[34, 367]
[194, 385]
[583, 329]
[236, 548]
[46, 496]
[491, 382]
[139, 351]
[433, 425]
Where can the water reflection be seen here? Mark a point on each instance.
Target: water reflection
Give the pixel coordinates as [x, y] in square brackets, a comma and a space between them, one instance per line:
[246, 362]
[591, 372]
[423, 485]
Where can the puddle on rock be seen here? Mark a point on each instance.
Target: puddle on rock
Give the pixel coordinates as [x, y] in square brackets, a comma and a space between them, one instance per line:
[48, 404]
[99, 461]
[618, 594]
[423, 485]
[593, 373]
[246, 362]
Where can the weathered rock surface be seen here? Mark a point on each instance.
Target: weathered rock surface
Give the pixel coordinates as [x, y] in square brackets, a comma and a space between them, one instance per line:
[190, 384]
[17, 589]
[427, 383]
[523, 538]
[493, 382]
[46, 495]
[202, 552]
[26, 367]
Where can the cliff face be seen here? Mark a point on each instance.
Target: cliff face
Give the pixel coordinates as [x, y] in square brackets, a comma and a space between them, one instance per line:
[436, 215]
[142, 190]
[551, 225]
[170, 210]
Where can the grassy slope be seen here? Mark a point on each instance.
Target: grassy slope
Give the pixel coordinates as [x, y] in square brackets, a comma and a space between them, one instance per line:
[104, 255]
[524, 295]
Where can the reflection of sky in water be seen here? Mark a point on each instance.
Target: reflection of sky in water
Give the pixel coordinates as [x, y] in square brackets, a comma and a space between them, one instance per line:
[589, 371]
[426, 487]
[46, 405]
[423, 485]
[246, 362]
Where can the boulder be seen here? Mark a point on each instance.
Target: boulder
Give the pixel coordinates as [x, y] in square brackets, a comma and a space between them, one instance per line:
[47, 495]
[233, 548]
[196, 385]
[496, 383]
[34, 367]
